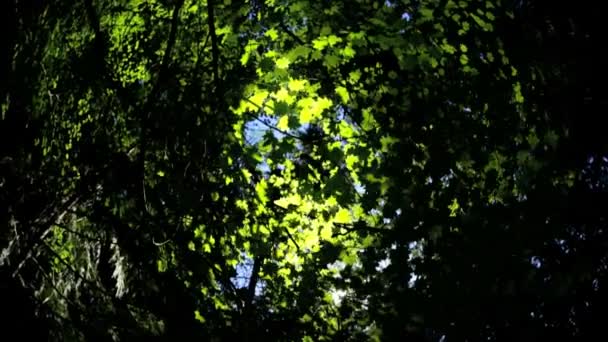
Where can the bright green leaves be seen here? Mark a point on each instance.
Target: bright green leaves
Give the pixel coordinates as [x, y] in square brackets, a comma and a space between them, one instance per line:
[272, 33]
[283, 123]
[346, 130]
[333, 40]
[369, 122]
[453, 207]
[258, 99]
[284, 96]
[296, 85]
[464, 60]
[325, 233]
[351, 160]
[354, 76]
[260, 190]
[343, 93]
[254, 102]
[286, 202]
[342, 216]
[282, 63]
[193, 9]
[199, 317]
[517, 94]
[325, 41]
[310, 240]
[161, 265]
[312, 108]
[348, 52]
[250, 48]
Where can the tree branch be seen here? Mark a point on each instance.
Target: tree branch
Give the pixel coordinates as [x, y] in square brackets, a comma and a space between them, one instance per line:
[273, 127]
[253, 280]
[291, 34]
[360, 226]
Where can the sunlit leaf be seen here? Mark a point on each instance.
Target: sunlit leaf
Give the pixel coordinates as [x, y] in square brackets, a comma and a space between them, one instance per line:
[296, 85]
[342, 216]
[283, 123]
[343, 93]
[282, 63]
[272, 33]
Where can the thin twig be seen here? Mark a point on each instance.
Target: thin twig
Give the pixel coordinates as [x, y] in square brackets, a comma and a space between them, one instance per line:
[291, 34]
[292, 239]
[362, 227]
[267, 124]
[274, 127]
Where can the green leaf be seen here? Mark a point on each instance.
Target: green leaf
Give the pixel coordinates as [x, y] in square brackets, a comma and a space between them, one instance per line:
[325, 30]
[331, 60]
[351, 159]
[325, 233]
[260, 190]
[283, 123]
[296, 85]
[346, 131]
[198, 316]
[354, 76]
[273, 34]
[464, 59]
[454, 206]
[333, 40]
[161, 265]
[368, 123]
[518, 97]
[312, 108]
[300, 51]
[282, 63]
[348, 52]
[426, 13]
[319, 44]
[343, 93]
[258, 99]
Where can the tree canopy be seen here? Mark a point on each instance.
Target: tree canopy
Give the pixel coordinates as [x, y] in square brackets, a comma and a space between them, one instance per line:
[288, 170]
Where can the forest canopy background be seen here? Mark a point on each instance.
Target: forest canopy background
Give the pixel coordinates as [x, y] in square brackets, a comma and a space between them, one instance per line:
[431, 170]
